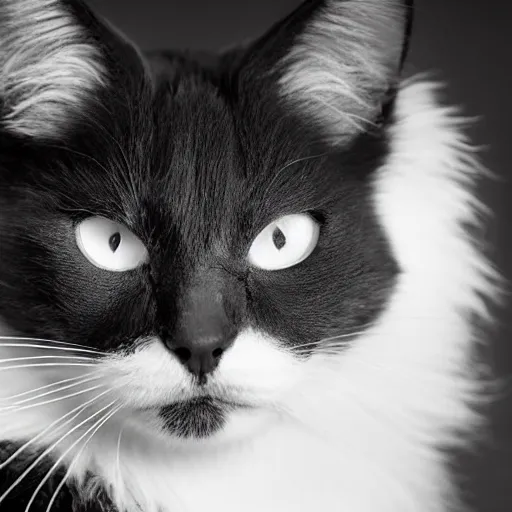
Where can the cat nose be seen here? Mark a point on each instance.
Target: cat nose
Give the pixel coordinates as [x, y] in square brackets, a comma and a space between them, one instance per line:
[206, 323]
[200, 356]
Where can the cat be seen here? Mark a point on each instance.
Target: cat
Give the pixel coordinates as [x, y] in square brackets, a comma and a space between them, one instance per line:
[242, 281]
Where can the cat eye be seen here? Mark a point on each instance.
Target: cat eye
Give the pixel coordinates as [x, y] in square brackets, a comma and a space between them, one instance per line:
[285, 243]
[110, 245]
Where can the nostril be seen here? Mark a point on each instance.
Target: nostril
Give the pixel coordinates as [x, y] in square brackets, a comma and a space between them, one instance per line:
[217, 353]
[183, 354]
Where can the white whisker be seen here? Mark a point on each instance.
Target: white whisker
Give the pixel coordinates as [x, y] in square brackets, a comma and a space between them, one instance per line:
[14, 408]
[362, 329]
[46, 347]
[78, 455]
[327, 353]
[118, 458]
[24, 338]
[342, 336]
[37, 358]
[52, 426]
[326, 341]
[49, 450]
[47, 365]
[322, 346]
[48, 386]
[95, 427]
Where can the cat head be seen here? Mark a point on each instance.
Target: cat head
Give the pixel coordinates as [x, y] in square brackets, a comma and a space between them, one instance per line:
[191, 234]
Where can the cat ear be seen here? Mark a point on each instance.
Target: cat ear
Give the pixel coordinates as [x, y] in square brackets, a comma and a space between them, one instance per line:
[52, 65]
[334, 61]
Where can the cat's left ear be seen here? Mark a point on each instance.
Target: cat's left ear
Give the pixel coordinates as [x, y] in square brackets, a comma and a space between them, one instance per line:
[56, 60]
[335, 62]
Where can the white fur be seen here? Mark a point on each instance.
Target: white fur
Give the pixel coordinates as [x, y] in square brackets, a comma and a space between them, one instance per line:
[48, 68]
[344, 62]
[361, 431]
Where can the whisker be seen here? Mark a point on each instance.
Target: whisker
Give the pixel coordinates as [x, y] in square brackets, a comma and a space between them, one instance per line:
[47, 365]
[314, 344]
[49, 450]
[48, 393]
[65, 349]
[52, 426]
[96, 426]
[327, 353]
[48, 386]
[342, 336]
[327, 340]
[338, 344]
[14, 409]
[38, 358]
[57, 342]
[118, 457]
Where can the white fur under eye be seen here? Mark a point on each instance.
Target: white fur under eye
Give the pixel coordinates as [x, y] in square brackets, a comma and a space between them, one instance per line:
[285, 243]
[110, 245]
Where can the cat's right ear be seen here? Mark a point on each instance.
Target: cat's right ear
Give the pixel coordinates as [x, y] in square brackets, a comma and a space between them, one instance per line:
[57, 57]
[335, 63]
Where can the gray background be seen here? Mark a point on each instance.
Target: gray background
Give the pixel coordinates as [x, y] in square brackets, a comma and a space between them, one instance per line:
[466, 43]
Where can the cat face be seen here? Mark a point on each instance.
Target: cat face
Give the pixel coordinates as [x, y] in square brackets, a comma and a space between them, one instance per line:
[190, 235]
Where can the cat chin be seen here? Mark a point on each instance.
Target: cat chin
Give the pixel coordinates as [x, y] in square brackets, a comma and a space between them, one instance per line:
[238, 426]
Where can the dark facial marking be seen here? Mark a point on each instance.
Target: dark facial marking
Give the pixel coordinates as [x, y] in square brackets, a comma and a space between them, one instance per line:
[199, 417]
[190, 160]
[201, 196]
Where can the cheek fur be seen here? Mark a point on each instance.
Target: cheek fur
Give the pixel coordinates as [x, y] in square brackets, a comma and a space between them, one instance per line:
[259, 365]
[149, 376]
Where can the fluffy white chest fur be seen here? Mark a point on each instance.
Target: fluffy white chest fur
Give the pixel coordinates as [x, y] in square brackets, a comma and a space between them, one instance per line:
[360, 431]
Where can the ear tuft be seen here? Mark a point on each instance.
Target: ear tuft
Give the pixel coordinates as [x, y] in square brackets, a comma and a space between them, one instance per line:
[49, 67]
[344, 62]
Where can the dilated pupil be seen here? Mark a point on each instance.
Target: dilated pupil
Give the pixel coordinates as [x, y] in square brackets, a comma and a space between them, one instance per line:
[278, 238]
[114, 242]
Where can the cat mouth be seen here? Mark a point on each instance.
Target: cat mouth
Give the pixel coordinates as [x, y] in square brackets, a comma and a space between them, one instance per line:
[198, 417]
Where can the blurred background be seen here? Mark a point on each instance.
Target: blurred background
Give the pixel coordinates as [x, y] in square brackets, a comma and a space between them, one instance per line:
[465, 43]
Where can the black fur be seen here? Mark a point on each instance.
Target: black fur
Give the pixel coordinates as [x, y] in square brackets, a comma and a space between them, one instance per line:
[67, 499]
[196, 176]
[197, 418]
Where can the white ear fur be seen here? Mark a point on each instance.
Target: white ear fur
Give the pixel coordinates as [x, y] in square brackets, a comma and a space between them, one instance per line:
[344, 62]
[48, 68]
